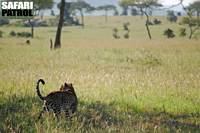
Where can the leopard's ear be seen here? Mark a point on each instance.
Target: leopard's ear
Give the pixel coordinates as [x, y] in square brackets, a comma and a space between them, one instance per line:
[62, 87]
[66, 84]
[70, 84]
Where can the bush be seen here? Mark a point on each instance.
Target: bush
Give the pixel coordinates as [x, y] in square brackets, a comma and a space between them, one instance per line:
[115, 33]
[126, 35]
[20, 34]
[134, 12]
[1, 33]
[156, 21]
[182, 32]
[3, 21]
[24, 34]
[169, 33]
[12, 33]
[151, 60]
[126, 26]
[171, 16]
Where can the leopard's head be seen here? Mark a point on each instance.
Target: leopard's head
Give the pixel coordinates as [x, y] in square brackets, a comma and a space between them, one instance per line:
[67, 87]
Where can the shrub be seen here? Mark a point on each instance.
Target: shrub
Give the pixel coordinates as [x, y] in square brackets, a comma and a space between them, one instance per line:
[12, 33]
[134, 12]
[126, 35]
[28, 42]
[171, 16]
[169, 33]
[3, 21]
[182, 32]
[115, 33]
[24, 34]
[151, 60]
[156, 21]
[1, 33]
[125, 26]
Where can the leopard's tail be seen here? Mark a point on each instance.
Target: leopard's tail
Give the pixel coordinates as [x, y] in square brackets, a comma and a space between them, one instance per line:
[38, 89]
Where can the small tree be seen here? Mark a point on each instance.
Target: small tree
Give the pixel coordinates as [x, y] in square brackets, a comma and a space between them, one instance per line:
[145, 6]
[134, 11]
[106, 8]
[115, 33]
[81, 6]
[156, 21]
[169, 33]
[192, 23]
[116, 13]
[4, 21]
[124, 7]
[42, 4]
[195, 7]
[179, 14]
[52, 13]
[67, 12]
[38, 6]
[126, 26]
[1, 34]
[182, 32]
[126, 35]
[171, 16]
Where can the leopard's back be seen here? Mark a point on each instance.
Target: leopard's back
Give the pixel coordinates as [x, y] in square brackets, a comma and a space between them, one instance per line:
[61, 101]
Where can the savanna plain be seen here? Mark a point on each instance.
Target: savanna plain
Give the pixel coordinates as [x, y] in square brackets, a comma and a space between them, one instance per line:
[123, 85]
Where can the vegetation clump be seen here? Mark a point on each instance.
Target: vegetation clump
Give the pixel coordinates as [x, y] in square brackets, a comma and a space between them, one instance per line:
[1, 33]
[192, 23]
[151, 60]
[126, 35]
[169, 33]
[182, 32]
[115, 33]
[171, 17]
[4, 21]
[13, 33]
[126, 26]
[126, 29]
[24, 34]
[156, 21]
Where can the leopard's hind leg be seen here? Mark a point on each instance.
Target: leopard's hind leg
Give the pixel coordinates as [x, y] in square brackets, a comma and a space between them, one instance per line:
[41, 113]
[68, 114]
[57, 112]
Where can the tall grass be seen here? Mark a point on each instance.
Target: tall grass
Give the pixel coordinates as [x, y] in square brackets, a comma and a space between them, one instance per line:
[133, 85]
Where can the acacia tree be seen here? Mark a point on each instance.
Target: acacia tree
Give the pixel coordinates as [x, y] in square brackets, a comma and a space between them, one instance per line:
[124, 7]
[171, 16]
[192, 23]
[107, 8]
[144, 6]
[38, 6]
[195, 7]
[57, 43]
[189, 20]
[81, 6]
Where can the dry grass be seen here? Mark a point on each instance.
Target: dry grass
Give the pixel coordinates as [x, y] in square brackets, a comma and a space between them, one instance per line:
[133, 85]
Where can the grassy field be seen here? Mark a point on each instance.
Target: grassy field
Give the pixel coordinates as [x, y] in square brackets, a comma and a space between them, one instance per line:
[133, 85]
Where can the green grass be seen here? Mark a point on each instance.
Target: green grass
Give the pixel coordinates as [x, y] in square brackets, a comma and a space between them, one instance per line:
[133, 85]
